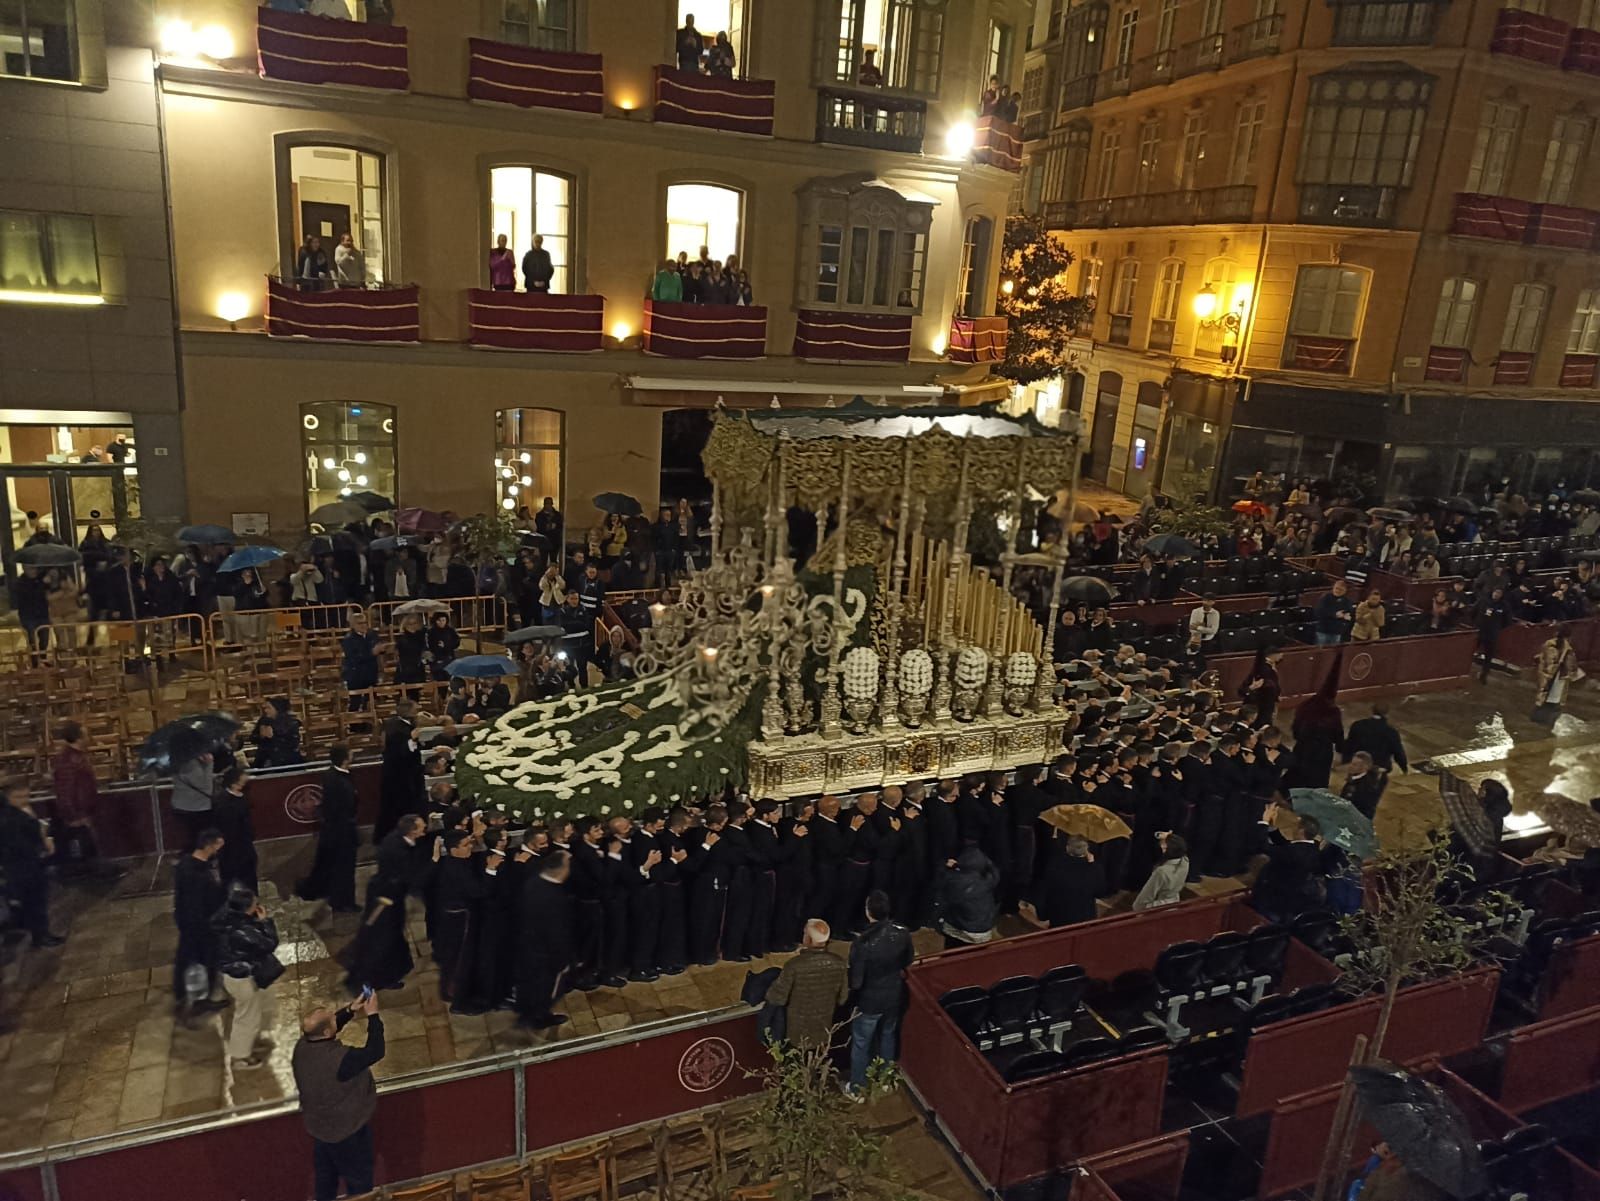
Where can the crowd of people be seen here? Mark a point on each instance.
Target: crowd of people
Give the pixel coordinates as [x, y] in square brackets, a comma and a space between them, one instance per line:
[702, 280]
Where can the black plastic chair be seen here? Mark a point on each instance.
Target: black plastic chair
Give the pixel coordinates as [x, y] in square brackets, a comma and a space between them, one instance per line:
[1223, 966]
[1088, 1051]
[1011, 1006]
[970, 1012]
[1061, 993]
[1268, 947]
[1178, 979]
[1033, 1065]
[1141, 1037]
[1316, 930]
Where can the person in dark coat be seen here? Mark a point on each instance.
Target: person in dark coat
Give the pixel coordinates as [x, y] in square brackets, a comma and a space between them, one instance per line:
[710, 866]
[587, 885]
[912, 867]
[401, 789]
[380, 956]
[1318, 734]
[646, 857]
[333, 871]
[359, 666]
[672, 942]
[1026, 801]
[1289, 883]
[277, 735]
[24, 849]
[855, 875]
[1261, 687]
[879, 957]
[458, 889]
[197, 893]
[737, 916]
[1363, 785]
[764, 853]
[545, 942]
[1378, 738]
[1072, 880]
[230, 813]
[830, 846]
[966, 901]
[443, 641]
[487, 976]
[793, 879]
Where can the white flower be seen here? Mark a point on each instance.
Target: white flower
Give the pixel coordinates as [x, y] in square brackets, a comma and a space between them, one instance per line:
[972, 667]
[537, 812]
[699, 754]
[604, 809]
[861, 674]
[650, 775]
[1022, 669]
[675, 796]
[916, 673]
[629, 804]
[723, 770]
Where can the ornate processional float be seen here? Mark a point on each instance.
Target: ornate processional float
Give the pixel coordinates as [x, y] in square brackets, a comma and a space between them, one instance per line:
[886, 656]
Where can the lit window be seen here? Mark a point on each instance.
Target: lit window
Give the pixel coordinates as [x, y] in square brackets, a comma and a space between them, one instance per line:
[704, 215]
[1327, 302]
[348, 448]
[1363, 127]
[1127, 33]
[1452, 324]
[529, 203]
[1563, 157]
[1383, 22]
[1525, 318]
[1169, 287]
[527, 446]
[998, 61]
[52, 254]
[1193, 151]
[865, 246]
[974, 269]
[1499, 125]
[39, 39]
[1089, 273]
[712, 17]
[542, 24]
[904, 37]
[1124, 285]
[334, 192]
[1149, 155]
[1584, 337]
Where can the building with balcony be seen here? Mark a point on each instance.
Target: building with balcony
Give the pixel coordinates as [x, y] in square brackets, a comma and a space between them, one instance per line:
[90, 396]
[863, 205]
[1325, 236]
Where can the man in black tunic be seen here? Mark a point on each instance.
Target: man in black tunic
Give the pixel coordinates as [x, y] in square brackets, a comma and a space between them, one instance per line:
[380, 955]
[830, 845]
[544, 952]
[197, 894]
[672, 951]
[766, 853]
[644, 911]
[333, 871]
[710, 866]
[587, 884]
[736, 921]
[795, 880]
[402, 787]
[855, 874]
[460, 887]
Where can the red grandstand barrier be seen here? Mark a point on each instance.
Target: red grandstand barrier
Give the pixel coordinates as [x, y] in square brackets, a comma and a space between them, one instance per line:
[1572, 981]
[1439, 1018]
[1426, 661]
[1147, 1171]
[1551, 1060]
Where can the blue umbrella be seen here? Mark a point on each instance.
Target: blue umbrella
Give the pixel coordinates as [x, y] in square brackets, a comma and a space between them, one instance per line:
[1342, 823]
[206, 535]
[482, 667]
[250, 556]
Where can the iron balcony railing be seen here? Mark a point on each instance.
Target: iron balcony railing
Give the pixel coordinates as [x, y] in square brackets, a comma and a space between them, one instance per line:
[1190, 206]
[870, 117]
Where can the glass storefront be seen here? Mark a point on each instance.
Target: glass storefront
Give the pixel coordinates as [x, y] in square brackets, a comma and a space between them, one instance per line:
[527, 458]
[348, 448]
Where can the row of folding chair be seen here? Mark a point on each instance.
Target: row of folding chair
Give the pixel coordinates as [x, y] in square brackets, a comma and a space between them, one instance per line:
[1229, 964]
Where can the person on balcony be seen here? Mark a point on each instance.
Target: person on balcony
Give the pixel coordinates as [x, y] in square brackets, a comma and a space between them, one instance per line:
[721, 61]
[349, 264]
[1011, 109]
[339, 10]
[311, 269]
[668, 284]
[537, 268]
[993, 97]
[747, 295]
[690, 46]
[502, 267]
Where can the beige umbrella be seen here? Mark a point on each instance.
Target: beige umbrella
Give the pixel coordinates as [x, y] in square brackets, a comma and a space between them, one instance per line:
[1084, 511]
[1091, 822]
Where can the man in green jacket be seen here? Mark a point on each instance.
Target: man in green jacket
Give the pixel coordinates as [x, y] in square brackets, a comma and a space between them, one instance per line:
[811, 988]
[668, 284]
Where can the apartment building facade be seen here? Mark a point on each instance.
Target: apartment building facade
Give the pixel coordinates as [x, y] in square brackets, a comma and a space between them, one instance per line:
[90, 388]
[867, 215]
[1326, 236]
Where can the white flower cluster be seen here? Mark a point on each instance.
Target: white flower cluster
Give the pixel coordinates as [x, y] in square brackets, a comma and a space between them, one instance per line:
[972, 667]
[916, 673]
[861, 674]
[1022, 669]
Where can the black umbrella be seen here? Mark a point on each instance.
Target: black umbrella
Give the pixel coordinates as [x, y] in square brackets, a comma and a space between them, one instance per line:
[1305, 510]
[1171, 544]
[1590, 556]
[1428, 1134]
[534, 634]
[1460, 504]
[1585, 496]
[1389, 513]
[372, 502]
[206, 535]
[48, 554]
[1087, 588]
[395, 542]
[618, 502]
[1418, 503]
[184, 740]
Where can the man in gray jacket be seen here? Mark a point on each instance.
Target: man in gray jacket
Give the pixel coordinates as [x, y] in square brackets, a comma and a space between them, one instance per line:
[191, 797]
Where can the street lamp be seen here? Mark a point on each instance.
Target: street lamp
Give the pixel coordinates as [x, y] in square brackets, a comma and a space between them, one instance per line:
[1206, 310]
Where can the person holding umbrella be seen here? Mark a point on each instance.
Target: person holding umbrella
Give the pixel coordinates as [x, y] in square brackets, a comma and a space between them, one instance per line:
[1072, 880]
[1427, 1152]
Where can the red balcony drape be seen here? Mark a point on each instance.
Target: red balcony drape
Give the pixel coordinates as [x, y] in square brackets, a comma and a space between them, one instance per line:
[1563, 225]
[1583, 51]
[705, 331]
[1514, 367]
[536, 321]
[1481, 216]
[1580, 370]
[529, 78]
[1530, 35]
[299, 48]
[874, 337]
[343, 314]
[998, 142]
[978, 339]
[1446, 363]
[711, 102]
[1330, 355]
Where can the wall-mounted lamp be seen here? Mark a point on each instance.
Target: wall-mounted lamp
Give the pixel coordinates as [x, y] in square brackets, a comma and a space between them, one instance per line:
[233, 307]
[1208, 311]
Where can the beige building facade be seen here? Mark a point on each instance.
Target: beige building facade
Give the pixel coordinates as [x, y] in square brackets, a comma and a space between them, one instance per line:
[1326, 236]
[426, 176]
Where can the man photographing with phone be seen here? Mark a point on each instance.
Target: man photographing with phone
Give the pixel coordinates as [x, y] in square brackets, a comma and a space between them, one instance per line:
[338, 1095]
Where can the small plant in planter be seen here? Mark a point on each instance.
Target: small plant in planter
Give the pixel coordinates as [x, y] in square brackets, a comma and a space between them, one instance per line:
[810, 1139]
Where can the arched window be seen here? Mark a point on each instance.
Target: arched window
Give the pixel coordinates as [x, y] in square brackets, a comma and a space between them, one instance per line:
[347, 448]
[1164, 312]
[972, 299]
[712, 17]
[329, 191]
[904, 37]
[542, 24]
[704, 214]
[528, 203]
[528, 445]
[864, 245]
